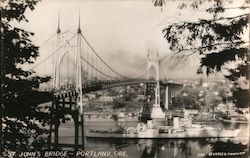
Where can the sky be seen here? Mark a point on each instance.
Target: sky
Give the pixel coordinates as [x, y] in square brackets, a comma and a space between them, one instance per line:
[121, 31]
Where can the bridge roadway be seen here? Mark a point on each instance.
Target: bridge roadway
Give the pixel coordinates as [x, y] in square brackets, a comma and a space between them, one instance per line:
[70, 90]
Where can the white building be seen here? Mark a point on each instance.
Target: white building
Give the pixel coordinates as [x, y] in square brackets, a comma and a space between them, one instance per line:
[106, 98]
[91, 96]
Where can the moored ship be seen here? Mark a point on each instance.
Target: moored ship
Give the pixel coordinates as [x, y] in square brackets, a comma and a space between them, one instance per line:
[236, 119]
[149, 130]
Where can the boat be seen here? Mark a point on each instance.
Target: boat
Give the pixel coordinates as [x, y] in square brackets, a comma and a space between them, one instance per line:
[236, 119]
[204, 117]
[221, 133]
[149, 130]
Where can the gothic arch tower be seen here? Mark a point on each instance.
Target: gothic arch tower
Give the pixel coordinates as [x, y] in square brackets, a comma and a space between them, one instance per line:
[157, 112]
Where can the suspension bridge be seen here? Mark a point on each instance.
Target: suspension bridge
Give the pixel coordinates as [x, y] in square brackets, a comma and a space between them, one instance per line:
[76, 68]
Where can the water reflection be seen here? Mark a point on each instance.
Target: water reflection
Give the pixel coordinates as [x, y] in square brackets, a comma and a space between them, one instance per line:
[168, 148]
[171, 148]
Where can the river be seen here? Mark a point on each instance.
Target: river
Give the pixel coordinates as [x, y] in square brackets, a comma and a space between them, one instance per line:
[160, 148]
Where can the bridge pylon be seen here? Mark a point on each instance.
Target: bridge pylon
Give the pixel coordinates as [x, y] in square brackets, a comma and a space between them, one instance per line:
[72, 101]
[56, 61]
[79, 77]
[155, 63]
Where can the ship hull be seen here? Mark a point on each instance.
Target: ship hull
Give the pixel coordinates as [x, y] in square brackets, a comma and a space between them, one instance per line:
[235, 121]
[200, 134]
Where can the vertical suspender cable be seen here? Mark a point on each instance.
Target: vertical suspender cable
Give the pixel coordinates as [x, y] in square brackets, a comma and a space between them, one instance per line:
[67, 63]
[92, 62]
[96, 67]
[87, 54]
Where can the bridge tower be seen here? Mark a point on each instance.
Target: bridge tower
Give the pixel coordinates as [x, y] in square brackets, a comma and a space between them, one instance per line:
[79, 76]
[154, 62]
[56, 61]
[79, 82]
[72, 102]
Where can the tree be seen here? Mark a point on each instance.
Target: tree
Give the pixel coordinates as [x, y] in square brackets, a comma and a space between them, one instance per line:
[118, 103]
[218, 38]
[23, 122]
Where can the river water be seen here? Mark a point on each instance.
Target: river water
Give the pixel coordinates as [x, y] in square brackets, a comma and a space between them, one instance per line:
[160, 148]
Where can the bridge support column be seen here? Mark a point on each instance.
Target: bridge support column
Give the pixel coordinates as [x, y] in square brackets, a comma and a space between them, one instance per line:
[54, 125]
[51, 126]
[76, 121]
[79, 122]
[145, 111]
[166, 98]
[68, 103]
[82, 131]
[57, 123]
